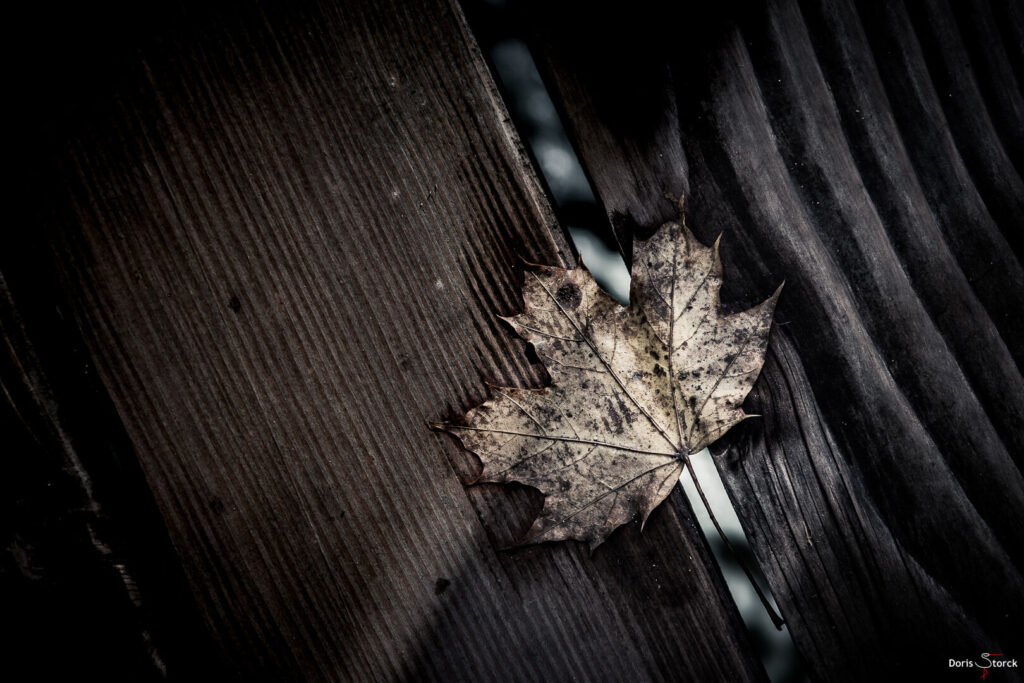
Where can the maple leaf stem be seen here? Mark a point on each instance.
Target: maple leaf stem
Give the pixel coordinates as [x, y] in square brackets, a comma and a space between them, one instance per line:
[777, 620]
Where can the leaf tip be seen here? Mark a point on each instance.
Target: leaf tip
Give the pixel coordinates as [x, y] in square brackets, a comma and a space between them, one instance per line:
[528, 264]
[774, 298]
[498, 388]
[510, 320]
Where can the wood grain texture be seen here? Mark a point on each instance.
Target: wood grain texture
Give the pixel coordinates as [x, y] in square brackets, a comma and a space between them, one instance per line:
[868, 155]
[288, 236]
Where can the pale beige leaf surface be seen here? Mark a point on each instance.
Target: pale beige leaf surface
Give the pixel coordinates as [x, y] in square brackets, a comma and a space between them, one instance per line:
[634, 389]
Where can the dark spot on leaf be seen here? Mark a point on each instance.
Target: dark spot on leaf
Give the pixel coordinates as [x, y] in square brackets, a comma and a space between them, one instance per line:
[616, 420]
[569, 296]
[658, 370]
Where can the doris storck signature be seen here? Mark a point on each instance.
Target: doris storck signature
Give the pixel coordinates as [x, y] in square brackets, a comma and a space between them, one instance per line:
[988, 661]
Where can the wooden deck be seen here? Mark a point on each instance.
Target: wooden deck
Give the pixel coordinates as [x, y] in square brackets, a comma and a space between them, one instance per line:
[261, 246]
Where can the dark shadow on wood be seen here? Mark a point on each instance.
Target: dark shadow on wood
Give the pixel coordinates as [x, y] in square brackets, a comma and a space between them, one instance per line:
[92, 586]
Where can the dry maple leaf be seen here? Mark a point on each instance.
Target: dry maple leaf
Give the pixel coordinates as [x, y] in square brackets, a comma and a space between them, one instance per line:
[634, 390]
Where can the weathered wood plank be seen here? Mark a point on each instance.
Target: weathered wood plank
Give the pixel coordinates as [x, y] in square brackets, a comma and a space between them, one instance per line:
[882, 491]
[290, 230]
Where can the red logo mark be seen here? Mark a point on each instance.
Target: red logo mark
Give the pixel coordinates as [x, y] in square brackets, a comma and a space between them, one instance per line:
[984, 672]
